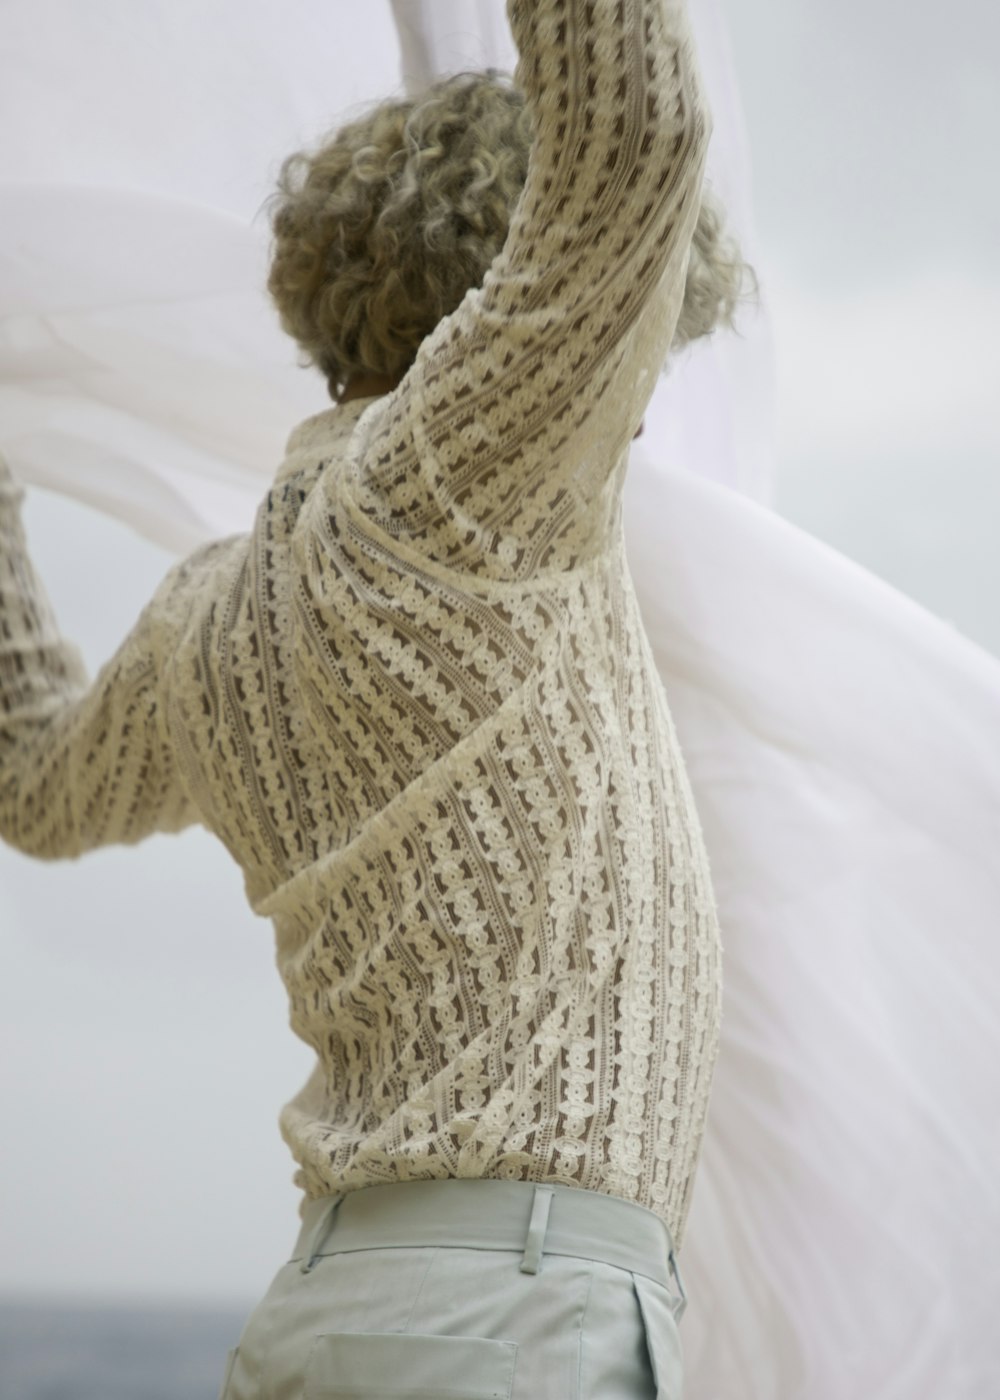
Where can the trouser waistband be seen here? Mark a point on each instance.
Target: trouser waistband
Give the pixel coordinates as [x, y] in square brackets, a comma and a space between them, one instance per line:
[532, 1220]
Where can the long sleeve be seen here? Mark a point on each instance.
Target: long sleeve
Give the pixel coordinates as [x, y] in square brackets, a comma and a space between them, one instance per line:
[499, 452]
[84, 765]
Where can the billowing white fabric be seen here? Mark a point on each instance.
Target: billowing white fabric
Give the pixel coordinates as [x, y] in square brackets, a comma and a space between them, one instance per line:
[842, 748]
[839, 739]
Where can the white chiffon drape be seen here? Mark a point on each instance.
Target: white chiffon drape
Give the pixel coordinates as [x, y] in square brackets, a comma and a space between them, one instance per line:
[841, 740]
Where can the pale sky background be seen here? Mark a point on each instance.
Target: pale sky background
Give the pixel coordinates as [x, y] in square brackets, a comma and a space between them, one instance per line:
[145, 1051]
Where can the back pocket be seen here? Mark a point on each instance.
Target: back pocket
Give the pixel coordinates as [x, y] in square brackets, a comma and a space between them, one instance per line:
[408, 1366]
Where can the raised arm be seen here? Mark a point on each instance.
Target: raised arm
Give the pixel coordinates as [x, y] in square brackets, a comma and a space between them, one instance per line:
[85, 765]
[499, 451]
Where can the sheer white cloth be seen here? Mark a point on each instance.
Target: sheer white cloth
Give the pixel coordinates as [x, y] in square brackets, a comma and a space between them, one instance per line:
[840, 740]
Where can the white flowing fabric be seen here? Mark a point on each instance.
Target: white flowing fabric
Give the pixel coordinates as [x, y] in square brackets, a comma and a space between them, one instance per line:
[841, 741]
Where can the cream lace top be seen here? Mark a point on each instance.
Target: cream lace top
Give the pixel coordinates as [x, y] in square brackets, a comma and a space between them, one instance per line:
[417, 704]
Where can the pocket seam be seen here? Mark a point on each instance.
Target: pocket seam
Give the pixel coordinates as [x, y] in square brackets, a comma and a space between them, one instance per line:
[581, 1332]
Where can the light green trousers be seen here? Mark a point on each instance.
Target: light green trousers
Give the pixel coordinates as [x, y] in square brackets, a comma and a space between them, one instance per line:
[468, 1290]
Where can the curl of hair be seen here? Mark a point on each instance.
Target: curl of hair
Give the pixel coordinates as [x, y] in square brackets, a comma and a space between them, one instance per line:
[715, 277]
[383, 229]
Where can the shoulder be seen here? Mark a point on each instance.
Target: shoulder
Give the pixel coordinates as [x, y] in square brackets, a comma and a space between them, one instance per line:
[312, 430]
[328, 428]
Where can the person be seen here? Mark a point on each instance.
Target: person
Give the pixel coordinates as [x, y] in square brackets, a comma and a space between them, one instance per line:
[416, 704]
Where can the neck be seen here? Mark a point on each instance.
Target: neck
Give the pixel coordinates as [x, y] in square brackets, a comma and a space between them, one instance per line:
[367, 386]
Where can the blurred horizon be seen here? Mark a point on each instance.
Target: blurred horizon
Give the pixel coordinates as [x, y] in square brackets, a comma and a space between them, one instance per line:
[116, 1352]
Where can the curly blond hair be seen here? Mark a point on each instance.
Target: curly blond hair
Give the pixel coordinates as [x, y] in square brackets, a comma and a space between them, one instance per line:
[382, 230]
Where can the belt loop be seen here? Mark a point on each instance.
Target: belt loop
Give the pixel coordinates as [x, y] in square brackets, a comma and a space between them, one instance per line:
[532, 1261]
[679, 1303]
[318, 1238]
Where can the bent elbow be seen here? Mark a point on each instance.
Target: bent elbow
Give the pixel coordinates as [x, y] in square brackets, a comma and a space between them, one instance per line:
[42, 832]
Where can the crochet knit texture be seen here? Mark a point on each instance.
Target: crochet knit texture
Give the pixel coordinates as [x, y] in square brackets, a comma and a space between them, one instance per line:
[417, 704]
